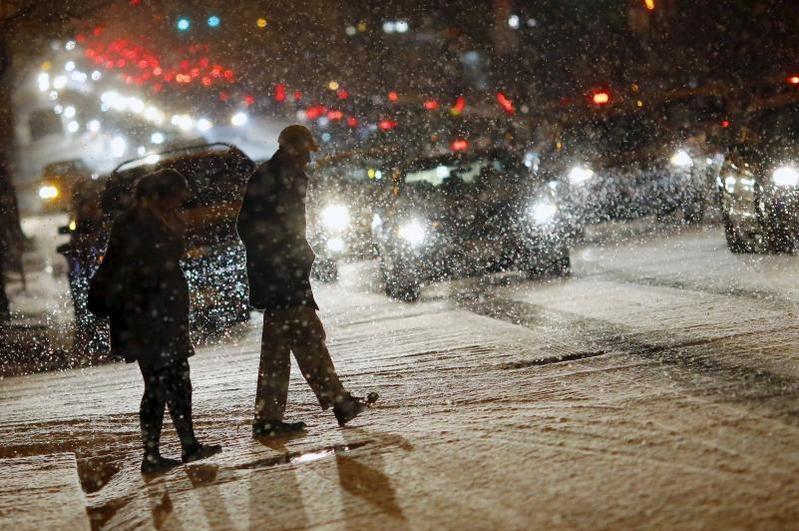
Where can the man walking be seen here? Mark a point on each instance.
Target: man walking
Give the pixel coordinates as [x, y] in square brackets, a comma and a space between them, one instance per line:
[271, 224]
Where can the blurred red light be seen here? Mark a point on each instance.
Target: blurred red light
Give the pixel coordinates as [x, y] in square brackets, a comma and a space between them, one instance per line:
[459, 105]
[207, 81]
[335, 115]
[459, 144]
[352, 121]
[431, 105]
[725, 123]
[280, 92]
[505, 103]
[601, 98]
[249, 100]
[793, 80]
[343, 94]
[297, 95]
[314, 112]
[393, 96]
[386, 125]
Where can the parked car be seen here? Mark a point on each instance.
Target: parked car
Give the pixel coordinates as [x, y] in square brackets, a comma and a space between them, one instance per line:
[758, 187]
[215, 260]
[465, 213]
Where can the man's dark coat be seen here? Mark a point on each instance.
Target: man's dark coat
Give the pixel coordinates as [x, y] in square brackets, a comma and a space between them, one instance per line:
[271, 224]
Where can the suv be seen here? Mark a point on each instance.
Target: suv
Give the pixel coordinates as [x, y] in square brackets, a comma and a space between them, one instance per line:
[215, 260]
[758, 187]
[465, 213]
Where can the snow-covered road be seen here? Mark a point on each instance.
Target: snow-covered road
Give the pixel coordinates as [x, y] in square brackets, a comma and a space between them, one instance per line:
[658, 387]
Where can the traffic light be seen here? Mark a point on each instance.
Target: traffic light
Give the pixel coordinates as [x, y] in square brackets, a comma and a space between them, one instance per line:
[214, 21]
[183, 24]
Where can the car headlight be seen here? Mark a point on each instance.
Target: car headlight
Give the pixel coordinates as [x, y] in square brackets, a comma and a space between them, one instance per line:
[681, 159]
[48, 192]
[543, 211]
[786, 176]
[335, 245]
[335, 217]
[413, 232]
[580, 174]
[729, 183]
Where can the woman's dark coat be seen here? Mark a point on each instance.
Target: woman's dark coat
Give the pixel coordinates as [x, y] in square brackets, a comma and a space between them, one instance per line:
[149, 296]
[271, 224]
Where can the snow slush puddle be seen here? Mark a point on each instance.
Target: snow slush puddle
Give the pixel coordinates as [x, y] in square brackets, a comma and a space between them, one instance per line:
[301, 457]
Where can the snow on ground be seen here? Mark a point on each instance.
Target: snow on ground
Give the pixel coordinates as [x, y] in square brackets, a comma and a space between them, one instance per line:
[656, 388]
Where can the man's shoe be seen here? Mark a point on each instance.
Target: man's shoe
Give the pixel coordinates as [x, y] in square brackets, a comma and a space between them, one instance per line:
[202, 451]
[155, 464]
[274, 428]
[352, 406]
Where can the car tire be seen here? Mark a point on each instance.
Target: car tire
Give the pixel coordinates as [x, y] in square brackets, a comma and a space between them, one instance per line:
[562, 265]
[558, 264]
[735, 243]
[396, 286]
[325, 270]
[775, 238]
[694, 211]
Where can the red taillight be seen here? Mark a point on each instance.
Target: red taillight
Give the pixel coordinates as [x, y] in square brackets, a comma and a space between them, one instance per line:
[793, 80]
[459, 144]
[431, 105]
[600, 97]
[393, 96]
[314, 112]
[458, 106]
[505, 103]
[386, 125]
[280, 92]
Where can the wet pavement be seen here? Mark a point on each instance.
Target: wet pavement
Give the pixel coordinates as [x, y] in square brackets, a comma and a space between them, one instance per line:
[658, 387]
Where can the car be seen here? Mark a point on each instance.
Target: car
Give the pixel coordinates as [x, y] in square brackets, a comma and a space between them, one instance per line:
[344, 190]
[215, 258]
[615, 165]
[58, 181]
[758, 186]
[464, 213]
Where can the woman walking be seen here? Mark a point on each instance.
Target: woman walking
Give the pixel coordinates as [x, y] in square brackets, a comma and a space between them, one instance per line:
[148, 303]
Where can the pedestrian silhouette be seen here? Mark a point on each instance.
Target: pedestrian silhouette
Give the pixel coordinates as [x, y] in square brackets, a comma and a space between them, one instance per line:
[141, 287]
[271, 224]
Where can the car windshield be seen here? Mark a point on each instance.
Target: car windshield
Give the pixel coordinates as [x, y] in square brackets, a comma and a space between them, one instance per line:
[457, 175]
[609, 136]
